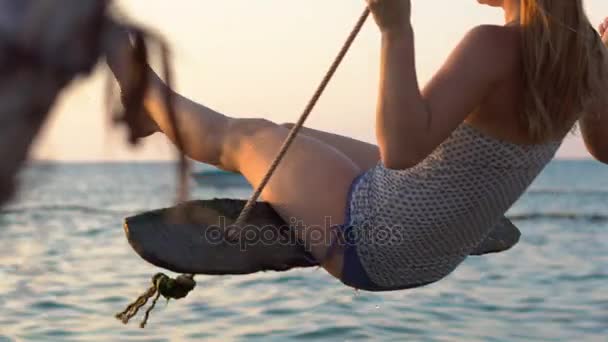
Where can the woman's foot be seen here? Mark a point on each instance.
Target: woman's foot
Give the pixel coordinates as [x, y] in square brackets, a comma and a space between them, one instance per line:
[141, 125]
[146, 126]
[120, 56]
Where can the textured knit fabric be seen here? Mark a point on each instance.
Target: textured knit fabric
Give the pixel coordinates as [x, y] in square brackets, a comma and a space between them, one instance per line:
[414, 226]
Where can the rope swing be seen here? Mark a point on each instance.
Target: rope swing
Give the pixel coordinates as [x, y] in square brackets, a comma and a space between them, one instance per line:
[182, 285]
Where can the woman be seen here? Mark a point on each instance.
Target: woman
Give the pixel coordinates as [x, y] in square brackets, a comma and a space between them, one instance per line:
[451, 158]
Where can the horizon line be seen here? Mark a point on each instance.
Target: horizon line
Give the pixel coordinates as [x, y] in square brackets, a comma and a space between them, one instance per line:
[157, 161]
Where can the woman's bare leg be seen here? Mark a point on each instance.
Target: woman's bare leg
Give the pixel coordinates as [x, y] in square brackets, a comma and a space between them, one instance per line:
[365, 155]
[310, 187]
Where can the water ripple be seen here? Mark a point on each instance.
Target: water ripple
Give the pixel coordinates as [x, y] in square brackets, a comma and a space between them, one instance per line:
[66, 270]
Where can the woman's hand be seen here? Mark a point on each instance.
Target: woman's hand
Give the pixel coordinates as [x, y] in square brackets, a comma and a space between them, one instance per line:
[391, 15]
[604, 31]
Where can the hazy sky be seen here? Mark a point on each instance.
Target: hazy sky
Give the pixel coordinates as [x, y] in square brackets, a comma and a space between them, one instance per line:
[264, 58]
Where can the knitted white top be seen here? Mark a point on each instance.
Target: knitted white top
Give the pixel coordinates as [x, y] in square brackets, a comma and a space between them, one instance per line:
[415, 226]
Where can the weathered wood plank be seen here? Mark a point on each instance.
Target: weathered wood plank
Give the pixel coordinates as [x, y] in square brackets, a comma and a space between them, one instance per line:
[189, 238]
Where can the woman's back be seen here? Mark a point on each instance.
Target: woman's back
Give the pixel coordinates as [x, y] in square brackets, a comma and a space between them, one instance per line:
[501, 113]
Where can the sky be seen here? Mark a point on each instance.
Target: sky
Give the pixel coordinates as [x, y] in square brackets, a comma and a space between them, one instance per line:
[264, 58]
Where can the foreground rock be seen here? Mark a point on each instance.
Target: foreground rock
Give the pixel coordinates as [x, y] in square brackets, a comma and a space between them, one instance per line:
[44, 46]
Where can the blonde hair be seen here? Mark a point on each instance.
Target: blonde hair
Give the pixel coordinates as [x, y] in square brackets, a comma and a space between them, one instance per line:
[565, 66]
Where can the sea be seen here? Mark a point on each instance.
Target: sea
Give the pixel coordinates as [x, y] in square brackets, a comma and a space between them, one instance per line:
[66, 269]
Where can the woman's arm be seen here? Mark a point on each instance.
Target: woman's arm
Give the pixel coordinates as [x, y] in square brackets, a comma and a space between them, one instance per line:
[595, 134]
[412, 122]
[594, 127]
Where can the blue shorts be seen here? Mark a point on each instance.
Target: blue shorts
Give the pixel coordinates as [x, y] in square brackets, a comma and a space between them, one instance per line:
[353, 273]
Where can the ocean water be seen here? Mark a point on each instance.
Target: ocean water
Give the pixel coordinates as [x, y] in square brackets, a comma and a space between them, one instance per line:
[66, 269]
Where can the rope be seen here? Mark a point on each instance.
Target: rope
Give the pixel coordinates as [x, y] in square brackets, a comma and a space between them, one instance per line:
[182, 285]
[298, 126]
[162, 285]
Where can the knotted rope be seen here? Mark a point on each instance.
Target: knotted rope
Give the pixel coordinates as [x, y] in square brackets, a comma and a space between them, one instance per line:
[162, 285]
[182, 285]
